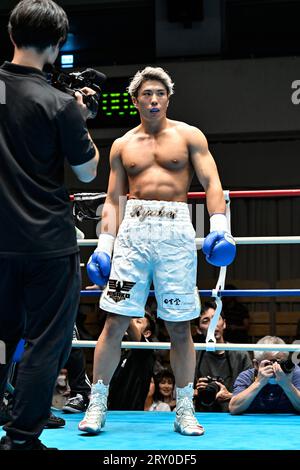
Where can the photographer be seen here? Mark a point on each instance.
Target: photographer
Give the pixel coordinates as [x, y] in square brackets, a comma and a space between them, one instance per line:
[39, 261]
[131, 380]
[272, 386]
[216, 371]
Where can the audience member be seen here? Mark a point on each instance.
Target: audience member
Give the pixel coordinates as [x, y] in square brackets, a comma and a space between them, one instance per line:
[130, 383]
[216, 371]
[152, 403]
[271, 386]
[165, 388]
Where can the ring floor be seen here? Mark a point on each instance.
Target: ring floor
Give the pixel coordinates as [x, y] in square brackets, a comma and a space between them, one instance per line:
[137, 430]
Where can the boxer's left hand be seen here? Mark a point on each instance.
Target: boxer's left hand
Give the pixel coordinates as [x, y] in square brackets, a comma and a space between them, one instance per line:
[219, 248]
[219, 245]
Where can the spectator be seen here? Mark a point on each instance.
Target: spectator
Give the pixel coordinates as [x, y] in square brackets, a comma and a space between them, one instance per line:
[222, 366]
[152, 403]
[165, 388]
[272, 386]
[131, 380]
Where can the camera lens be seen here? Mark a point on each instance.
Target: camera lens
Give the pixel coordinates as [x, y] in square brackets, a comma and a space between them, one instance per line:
[287, 366]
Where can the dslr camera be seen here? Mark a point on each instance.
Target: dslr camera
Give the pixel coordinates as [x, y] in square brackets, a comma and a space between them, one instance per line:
[208, 395]
[72, 82]
[287, 367]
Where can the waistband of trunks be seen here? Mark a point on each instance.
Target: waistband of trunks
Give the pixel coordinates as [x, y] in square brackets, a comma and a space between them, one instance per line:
[145, 210]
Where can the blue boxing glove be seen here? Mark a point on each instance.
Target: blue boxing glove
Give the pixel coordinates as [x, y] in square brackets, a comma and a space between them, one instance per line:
[99, 264]
[219, 246]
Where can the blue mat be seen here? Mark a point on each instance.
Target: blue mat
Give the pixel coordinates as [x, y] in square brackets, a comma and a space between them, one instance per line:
[137, 430]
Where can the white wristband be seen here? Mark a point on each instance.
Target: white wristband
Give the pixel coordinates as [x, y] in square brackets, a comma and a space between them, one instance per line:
[218, 222]
[106, 243]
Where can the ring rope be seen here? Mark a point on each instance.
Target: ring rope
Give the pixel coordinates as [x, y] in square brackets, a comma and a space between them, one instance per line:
[239, 241]
[223, 293]
[198, 346]
[263, 193]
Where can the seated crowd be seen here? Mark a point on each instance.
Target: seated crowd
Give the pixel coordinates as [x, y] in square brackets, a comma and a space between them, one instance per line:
[225, 381]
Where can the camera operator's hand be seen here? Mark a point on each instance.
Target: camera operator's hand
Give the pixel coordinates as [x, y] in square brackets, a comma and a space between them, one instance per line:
[265, 372]
[282, 378]
[223, 394]
[201, 383]
[86, 113]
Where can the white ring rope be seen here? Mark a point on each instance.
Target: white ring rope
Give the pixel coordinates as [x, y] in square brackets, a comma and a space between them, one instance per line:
[238, 241]
[198, 346]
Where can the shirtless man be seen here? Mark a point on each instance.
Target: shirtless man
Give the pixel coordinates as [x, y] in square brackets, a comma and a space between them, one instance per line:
[154, 163]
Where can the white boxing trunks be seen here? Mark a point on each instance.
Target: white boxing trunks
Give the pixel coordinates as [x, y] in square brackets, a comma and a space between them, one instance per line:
[155, 242]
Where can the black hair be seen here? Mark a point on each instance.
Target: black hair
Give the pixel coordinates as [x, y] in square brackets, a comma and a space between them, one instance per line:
[151, 322]
[164, 374]
[38, 24]
[207, 305]
[210, 304]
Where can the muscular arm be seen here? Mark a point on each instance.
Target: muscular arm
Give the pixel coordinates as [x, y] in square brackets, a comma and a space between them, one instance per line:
[206, 171]
[113, 209]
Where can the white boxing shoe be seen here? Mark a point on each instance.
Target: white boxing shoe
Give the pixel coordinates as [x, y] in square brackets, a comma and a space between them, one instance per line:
[95, 415]
[186, 422]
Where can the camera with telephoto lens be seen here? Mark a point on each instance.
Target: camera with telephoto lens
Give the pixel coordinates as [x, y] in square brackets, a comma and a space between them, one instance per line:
[207, 396]
[72, 82]
[286, 365]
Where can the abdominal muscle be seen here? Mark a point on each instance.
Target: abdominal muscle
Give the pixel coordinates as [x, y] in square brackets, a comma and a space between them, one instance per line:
[160, 185]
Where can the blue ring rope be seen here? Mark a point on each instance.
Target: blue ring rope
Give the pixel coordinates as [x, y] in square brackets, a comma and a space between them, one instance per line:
[224, 293]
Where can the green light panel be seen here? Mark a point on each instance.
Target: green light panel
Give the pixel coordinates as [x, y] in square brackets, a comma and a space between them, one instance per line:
[116, 104]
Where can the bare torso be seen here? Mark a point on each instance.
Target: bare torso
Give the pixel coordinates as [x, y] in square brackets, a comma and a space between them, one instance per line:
[158, 165]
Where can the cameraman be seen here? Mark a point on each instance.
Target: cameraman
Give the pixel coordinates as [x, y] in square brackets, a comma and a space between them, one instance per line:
[216, 371]
[272, 386]
[39, 260]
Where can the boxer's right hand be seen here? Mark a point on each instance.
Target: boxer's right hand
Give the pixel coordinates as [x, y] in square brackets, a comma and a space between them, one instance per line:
[99, 264]
[98, 268]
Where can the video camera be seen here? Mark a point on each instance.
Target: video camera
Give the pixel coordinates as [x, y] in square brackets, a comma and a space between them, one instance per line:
[74, 81]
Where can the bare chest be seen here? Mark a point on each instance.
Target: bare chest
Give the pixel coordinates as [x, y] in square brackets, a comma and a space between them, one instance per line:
[169, 153]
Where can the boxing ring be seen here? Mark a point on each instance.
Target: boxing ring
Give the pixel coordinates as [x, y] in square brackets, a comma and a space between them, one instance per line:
[137, 430]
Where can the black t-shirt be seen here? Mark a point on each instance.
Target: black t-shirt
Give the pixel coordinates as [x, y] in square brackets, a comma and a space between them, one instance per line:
[226, 365]
[40, 126]
[131, 381]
